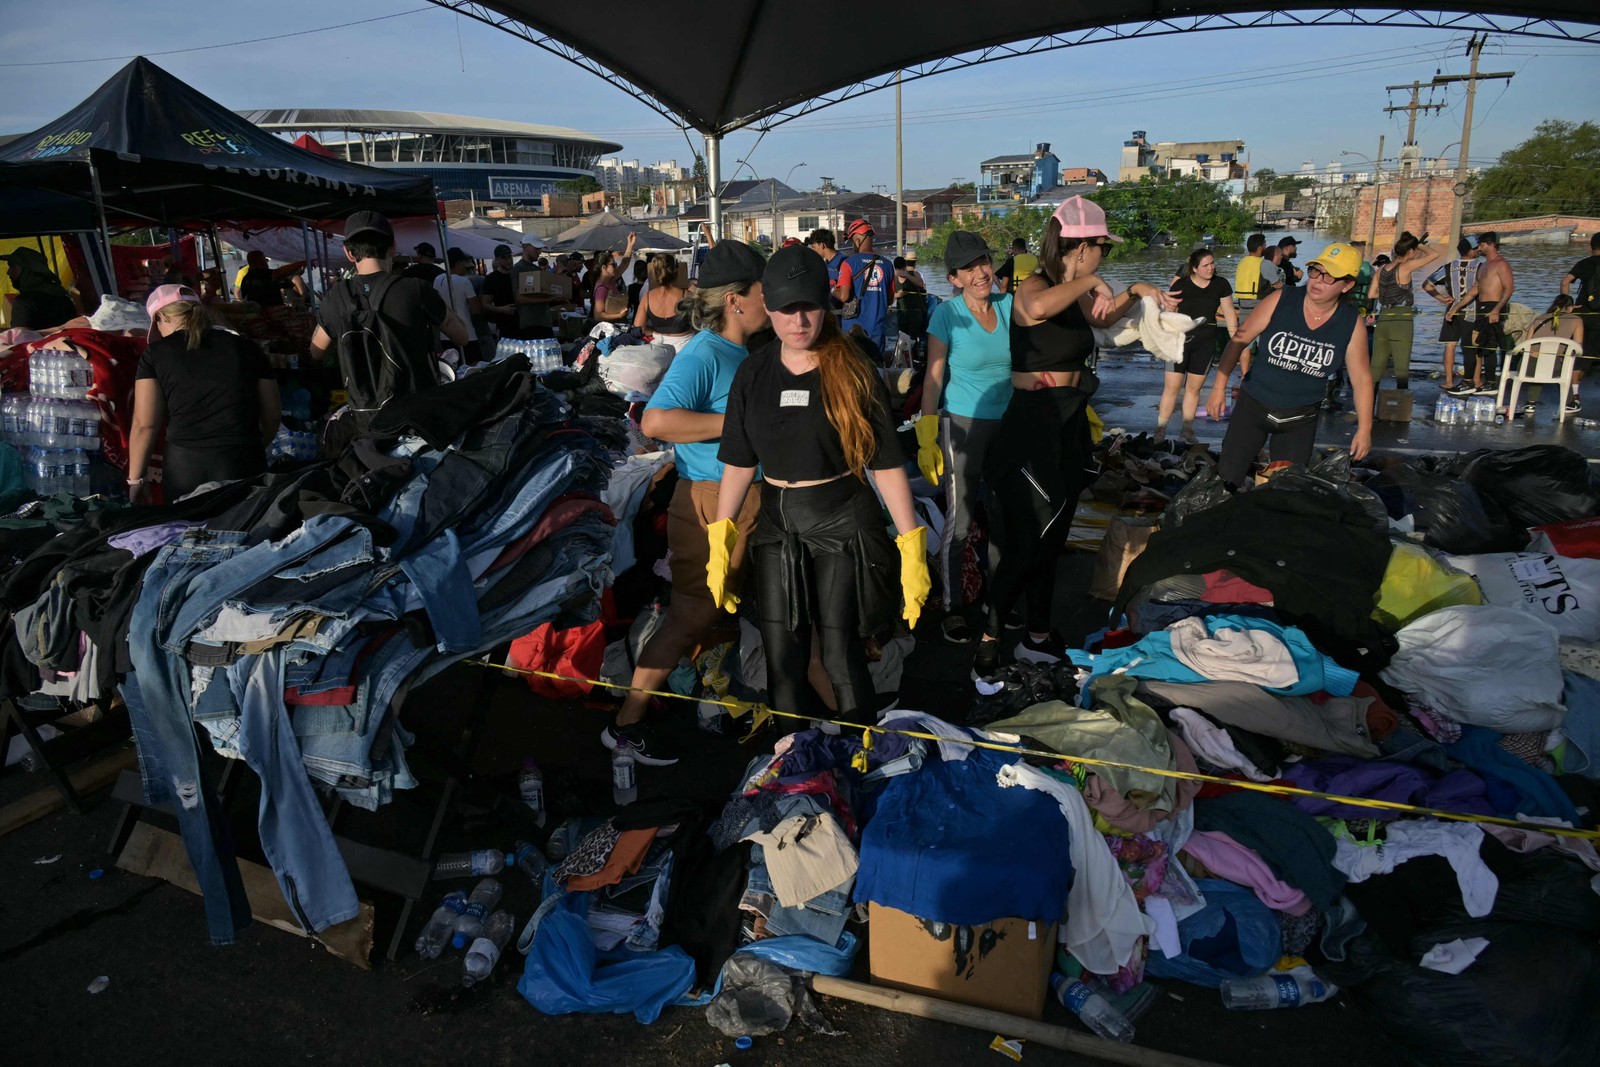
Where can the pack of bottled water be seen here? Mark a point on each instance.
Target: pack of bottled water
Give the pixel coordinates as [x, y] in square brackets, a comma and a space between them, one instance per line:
[294, 445]
[1464, 410]
[49, 422]
[544, 355]
[47, 471]
[62, 375]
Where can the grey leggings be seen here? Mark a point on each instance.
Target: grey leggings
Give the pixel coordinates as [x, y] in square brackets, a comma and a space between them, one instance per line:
[966, 445]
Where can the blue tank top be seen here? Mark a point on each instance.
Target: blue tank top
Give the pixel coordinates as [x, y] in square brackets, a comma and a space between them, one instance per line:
[1294, 362]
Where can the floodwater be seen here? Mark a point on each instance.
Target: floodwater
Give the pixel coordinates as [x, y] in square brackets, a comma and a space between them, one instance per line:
[1538, 270]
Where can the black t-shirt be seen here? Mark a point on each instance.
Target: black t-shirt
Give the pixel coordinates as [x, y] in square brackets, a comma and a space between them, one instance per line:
[1202, 302]
[423, 272]
[1008, 270]
[1587, 272]
[413, 309]
[258, 287]
[41, 309]
[776, 420]
[501, 290]
[211, 393]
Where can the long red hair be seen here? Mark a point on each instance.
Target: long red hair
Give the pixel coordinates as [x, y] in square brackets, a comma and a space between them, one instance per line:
[849, 394]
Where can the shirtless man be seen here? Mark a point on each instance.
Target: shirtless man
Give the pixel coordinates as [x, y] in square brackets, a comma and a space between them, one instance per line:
[1492, 292]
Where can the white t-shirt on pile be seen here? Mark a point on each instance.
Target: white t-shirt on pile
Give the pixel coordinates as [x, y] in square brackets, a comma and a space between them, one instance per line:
[457, 290]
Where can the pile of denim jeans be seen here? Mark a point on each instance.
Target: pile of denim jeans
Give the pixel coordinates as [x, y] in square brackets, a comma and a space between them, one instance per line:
[292, 616]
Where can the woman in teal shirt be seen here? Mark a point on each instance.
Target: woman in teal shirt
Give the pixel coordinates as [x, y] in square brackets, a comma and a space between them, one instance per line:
[969, 376]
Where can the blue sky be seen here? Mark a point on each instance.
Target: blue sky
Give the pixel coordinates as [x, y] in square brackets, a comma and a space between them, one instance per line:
[1290, 94]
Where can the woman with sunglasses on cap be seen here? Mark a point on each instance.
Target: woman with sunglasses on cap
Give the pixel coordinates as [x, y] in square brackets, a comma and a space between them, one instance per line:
[213, 391]
[1306, 335]
[813, 414]
[969, 380]
[1039, 462]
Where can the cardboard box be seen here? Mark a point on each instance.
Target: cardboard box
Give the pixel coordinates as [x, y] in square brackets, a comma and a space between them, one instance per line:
[1003, 965]
[1394, 405]
[548, 283]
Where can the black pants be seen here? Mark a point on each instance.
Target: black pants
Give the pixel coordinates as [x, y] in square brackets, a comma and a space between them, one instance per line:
[815, 592]
[185, 468]
[1037, 469]
[1293, 433]
[1488, 338]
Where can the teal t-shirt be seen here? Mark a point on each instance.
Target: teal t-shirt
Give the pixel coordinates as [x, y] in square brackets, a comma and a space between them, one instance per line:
[978, 375]
[698, 380]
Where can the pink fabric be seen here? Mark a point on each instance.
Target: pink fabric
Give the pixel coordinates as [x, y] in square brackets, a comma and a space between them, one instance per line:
[1122, 813]
[1225, 587]
[1226, 858]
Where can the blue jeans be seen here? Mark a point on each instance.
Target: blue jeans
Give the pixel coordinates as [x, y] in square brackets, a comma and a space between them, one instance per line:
[822, 917]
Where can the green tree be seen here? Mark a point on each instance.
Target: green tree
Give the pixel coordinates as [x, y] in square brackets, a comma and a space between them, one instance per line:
[699, 172]
[998, 230]
[1187, 208]
[1554, 172]
[1266, 180]
[585, 184]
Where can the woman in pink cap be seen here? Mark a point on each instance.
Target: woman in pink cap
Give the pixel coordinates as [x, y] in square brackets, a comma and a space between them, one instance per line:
[212, 390]
[1039, 462]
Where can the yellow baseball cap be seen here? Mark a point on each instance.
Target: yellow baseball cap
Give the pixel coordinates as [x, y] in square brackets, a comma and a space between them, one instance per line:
[1339, 260]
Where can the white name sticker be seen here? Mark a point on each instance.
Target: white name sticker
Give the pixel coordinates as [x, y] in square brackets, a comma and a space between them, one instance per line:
[794, 398]
[1530, 569]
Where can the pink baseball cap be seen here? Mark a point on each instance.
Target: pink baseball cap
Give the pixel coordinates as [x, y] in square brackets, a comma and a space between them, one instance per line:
[162, 295]
[1083, 218]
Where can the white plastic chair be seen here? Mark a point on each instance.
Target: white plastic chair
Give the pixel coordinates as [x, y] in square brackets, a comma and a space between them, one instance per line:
[1538, 361]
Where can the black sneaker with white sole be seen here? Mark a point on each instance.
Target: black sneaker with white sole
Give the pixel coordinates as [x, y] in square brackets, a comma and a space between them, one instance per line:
[955, 628]
[1573, 405]
[1053, 649]
[987, 661]
[638, 741]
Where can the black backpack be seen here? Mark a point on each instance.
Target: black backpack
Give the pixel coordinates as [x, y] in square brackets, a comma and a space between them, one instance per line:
[374, 360]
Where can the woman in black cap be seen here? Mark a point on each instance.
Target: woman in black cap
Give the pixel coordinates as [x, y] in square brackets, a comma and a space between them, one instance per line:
[969, 379]
[687, 410]
[812, 413]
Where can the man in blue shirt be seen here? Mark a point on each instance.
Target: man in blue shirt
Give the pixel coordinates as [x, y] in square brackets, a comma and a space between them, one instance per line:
[822, 243]
[869, 278]
[687, 411]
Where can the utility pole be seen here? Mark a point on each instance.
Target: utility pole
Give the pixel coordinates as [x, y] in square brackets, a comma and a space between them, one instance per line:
[899, 178]
[1377, 188]
[1475, 49]
[1408, 151]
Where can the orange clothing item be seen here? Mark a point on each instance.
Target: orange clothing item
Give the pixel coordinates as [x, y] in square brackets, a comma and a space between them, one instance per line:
[626, 858]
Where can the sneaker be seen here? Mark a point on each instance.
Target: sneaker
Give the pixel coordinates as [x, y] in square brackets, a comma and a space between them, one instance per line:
[1187, 434]
[638, 741]
[1487, 389]
[1051, 650]
[1462, 389]
[955, 628]
[1573, 405]
[1014, 620]
[1528, 410]
[987, 661]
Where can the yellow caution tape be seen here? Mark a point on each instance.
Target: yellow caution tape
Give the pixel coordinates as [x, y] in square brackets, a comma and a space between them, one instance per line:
[762, 713]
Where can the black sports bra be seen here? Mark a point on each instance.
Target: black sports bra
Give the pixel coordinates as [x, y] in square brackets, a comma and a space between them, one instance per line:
[670, 324]
[1062, 343]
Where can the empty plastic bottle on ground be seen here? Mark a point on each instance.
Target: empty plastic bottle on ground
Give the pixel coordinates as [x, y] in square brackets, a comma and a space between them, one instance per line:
[530, 861]
[1284, 989]
[470, 864]
[469, 924]
[436, 935]
[1093, 1010]
[624, 783]
[531, 785]
[485, 951]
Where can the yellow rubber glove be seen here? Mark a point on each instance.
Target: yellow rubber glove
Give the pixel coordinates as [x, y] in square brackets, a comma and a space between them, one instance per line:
[1097, 428]
[930, 458]
[723, 535]
[914, 581]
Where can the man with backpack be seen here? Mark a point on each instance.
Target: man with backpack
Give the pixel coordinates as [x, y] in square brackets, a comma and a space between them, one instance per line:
[866, 285]
[383, 327]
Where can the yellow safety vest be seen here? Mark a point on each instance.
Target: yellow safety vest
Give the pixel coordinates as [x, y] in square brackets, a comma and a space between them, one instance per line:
[1247, 278]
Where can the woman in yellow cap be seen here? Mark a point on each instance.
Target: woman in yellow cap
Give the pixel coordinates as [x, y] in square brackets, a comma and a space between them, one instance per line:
[1306, 335]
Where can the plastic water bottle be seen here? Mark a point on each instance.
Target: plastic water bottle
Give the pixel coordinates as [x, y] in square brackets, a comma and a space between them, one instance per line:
[441, 925]
[531, 862]
[624, 782]
[531, 785]
[1284, 989]
[1093, 1010]
[563, 841]
[470, 864]
[485, 951]
[469, 924]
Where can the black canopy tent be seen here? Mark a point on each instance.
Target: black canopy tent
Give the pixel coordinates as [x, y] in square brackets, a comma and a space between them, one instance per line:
[744, 63]
[147, 149]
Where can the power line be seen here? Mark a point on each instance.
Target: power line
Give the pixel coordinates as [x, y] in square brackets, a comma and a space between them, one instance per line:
[229, 44]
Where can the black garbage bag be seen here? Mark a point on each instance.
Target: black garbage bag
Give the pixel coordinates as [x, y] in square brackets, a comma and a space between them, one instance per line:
[1527, 1001]
[1450, 513]
[1205, 490]
[1331, 474]
[1536, 485]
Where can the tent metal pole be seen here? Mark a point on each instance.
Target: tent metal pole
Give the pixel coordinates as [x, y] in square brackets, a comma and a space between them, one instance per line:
[216, 262]
[305, 238]
[714, 184]
[105, 228]
[899, 177]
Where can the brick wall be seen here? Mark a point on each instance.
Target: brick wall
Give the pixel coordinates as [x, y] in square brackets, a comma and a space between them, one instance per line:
[1580, 225]
[1429, 204]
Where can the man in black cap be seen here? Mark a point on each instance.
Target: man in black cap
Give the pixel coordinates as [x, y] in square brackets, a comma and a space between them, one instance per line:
[1288, 248]
[424, 265]
[42, 303]
[499, 296]
[383, 328]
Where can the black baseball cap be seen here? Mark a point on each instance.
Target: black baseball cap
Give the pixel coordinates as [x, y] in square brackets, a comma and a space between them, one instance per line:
[795, 275]
[363, 223]
[730, 263]
[424, 249]
[963, 249]
[1287, 241]
[501, 250]
[456, 255]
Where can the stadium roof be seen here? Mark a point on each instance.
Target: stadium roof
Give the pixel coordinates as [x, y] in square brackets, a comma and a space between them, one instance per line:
[306, 119]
